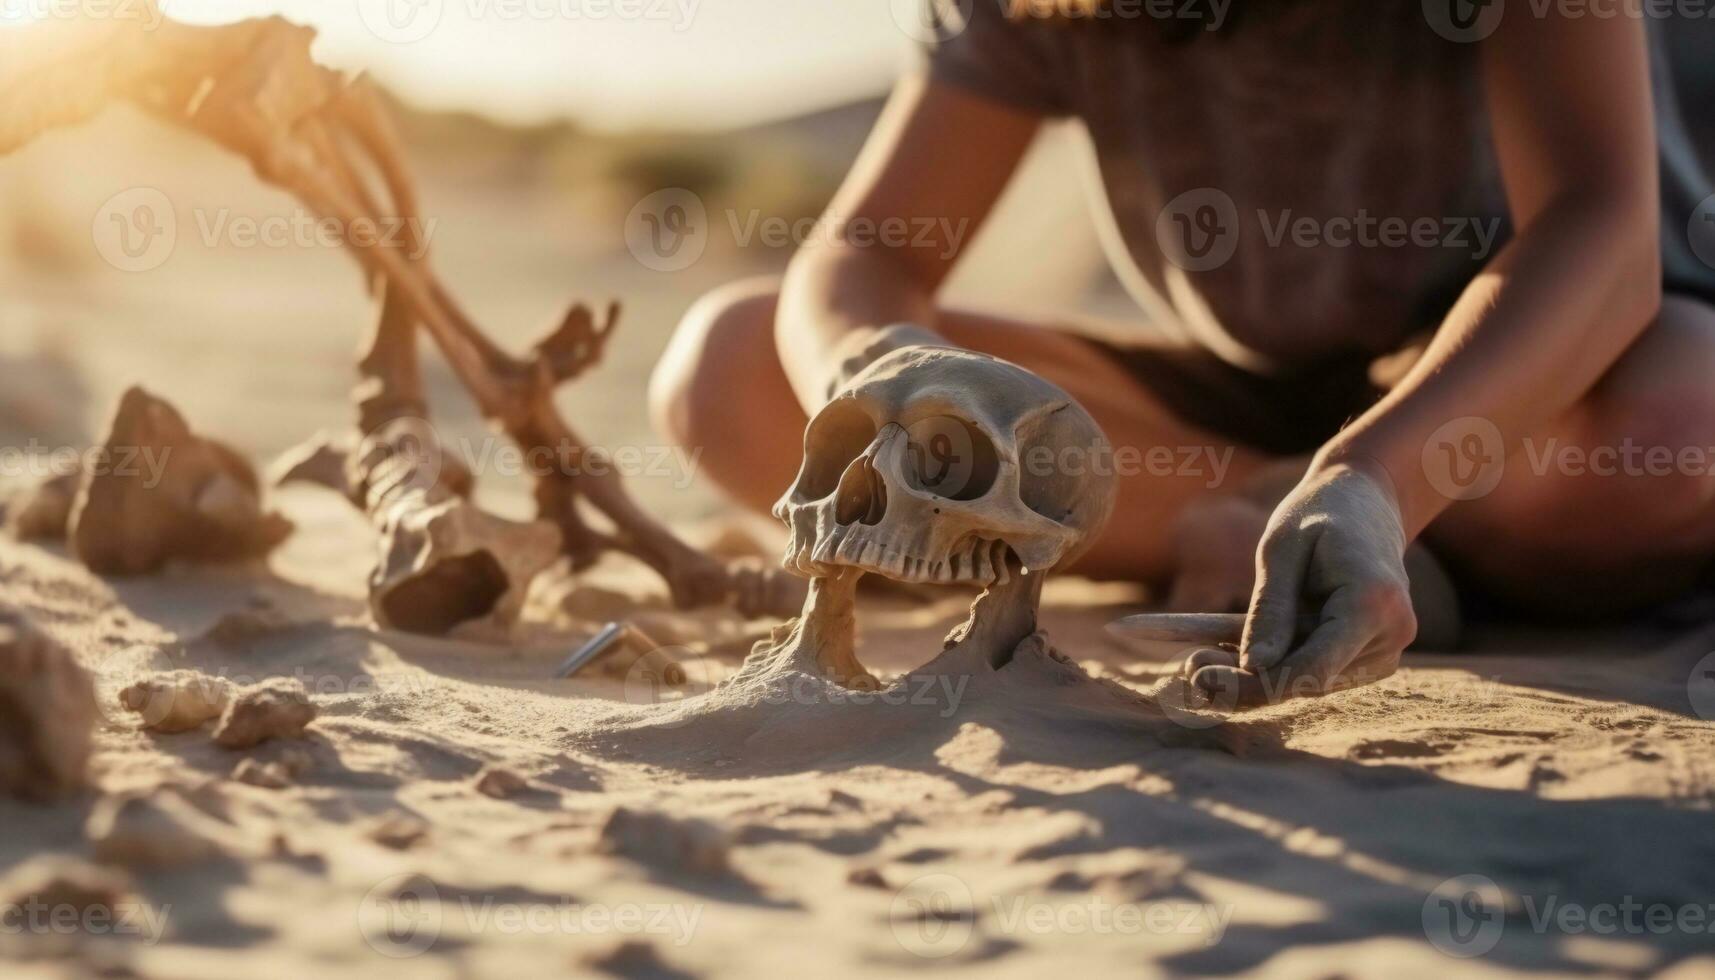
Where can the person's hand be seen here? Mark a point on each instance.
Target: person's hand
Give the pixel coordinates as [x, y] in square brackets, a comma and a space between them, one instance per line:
[1333, 549]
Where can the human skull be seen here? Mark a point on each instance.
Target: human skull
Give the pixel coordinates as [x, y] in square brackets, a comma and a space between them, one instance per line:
[933, 463]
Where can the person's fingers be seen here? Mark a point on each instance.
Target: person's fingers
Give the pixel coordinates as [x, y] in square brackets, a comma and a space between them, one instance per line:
[1282, 561]
[1358, 642]
[1205, 657]
[1232, 686]
[1326, 653]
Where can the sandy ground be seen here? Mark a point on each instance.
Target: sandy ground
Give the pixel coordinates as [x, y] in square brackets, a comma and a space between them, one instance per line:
[1543, 800]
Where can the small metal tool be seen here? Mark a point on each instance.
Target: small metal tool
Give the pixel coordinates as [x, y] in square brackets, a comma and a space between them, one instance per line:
[610, 635]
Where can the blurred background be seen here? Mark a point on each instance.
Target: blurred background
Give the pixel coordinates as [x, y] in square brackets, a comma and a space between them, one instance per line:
[536, 128]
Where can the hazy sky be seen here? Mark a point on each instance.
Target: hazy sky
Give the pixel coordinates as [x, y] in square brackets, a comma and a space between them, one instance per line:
[703, 63]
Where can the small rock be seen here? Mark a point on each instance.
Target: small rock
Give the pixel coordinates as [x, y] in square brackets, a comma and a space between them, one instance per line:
[158, 829]
[866, 878]
[171, 495]
[278, 708]
[41, 513]
[296, 761]
[666, 843]
[56, 882]
[177, 701]
[629, 958]
[263, 775]
[398, 830]
[236, 630]
[48, 713]
[500, 783]
[840, 799]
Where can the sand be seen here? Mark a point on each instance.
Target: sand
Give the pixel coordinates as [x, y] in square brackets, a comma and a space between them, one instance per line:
[1542, 799]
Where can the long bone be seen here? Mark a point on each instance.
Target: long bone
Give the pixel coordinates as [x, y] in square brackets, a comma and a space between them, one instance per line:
[254, 88]
[293, 143]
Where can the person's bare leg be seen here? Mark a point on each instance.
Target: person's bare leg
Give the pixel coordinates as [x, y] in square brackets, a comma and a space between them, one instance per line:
[719, 388]
[1560, 540]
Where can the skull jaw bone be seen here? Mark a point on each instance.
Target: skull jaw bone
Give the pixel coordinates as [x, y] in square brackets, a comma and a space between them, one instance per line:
[822, 641]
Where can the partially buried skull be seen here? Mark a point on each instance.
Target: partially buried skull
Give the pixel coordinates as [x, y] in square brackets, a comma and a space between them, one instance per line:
[942, 465]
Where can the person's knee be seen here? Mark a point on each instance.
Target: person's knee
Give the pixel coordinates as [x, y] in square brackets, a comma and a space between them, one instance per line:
[1621, 490]
[1651, 437]
[706, 361]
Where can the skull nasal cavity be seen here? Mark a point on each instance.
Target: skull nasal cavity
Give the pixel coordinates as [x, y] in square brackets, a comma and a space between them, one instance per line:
[862, 496]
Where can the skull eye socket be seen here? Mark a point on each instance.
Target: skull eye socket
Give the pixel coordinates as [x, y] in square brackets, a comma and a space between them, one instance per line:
[951, 458]
[837, 435]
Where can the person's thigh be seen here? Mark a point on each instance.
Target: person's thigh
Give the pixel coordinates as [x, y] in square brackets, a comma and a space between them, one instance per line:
[1613, 505]
[720, 390]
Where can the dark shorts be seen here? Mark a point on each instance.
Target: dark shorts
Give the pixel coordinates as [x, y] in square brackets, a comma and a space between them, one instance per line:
[1285, 415]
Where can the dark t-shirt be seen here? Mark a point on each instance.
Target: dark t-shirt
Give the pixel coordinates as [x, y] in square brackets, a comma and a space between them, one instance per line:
[1317, 179]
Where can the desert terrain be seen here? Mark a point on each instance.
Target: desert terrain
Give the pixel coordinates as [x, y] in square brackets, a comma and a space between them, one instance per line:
[1538, 803]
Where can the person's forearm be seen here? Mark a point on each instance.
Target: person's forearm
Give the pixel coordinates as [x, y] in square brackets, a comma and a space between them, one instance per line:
[842, 307]
[1527, 339]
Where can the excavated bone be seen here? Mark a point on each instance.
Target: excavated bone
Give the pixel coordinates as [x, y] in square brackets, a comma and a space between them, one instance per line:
[821, 642]
[255, 88]
[177, 701]
[444, 561]
[159, 492]
[48, 714]
[278, 708]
